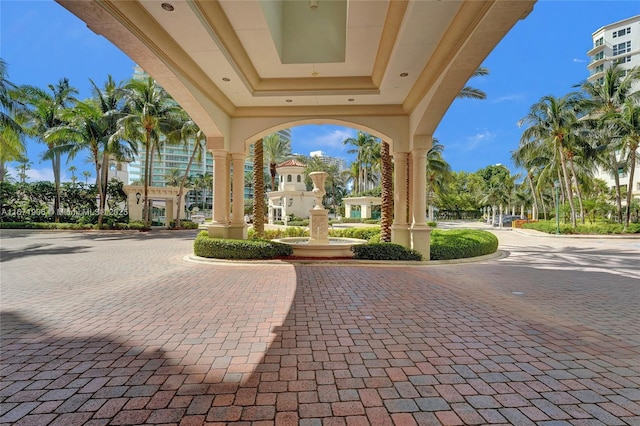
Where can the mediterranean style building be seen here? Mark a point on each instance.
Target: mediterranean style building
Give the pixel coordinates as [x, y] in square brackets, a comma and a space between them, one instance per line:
[617, 44]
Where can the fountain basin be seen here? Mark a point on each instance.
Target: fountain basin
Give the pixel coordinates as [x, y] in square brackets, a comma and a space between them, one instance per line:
[337, 247]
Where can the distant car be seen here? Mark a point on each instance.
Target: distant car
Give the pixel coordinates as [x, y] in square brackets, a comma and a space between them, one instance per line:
[507, 220]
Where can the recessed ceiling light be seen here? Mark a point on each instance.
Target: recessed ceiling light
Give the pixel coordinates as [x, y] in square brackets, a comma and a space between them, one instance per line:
[315, 74]
[167, 6]
[350, 99]
[289, 100]
[226, 79]
[404, 74]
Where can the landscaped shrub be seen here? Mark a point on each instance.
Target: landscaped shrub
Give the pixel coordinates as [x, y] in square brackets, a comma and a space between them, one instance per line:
[272, 234]
[360, 233]
[184, 224]
[219, 248]
[73, 226]
[300, 222]
[461, 243]
[351, 220]
[384, 251]
[598, 228]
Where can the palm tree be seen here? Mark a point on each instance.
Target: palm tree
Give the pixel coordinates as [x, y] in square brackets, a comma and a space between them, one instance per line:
[92, 125]
[173, 177]
[629, 123]
[45, 113]
[25, 165]
[603, 101]
[72, 170]
[11, 132]
[468, 92]
[553, 122]
[151, 114]
[367, 150]
[189, 133]
[258, 189]
[386, 218]
[276, 150]
[438, 171]
[87, 175]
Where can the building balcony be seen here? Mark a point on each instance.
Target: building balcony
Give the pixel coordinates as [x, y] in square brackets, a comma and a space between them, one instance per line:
[597, 62]
[596, 49]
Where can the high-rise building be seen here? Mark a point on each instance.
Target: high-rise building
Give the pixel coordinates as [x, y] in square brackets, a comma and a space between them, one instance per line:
[332, 161]
[617, 44]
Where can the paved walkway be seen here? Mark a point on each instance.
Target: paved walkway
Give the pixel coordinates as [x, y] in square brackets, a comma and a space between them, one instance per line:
[118, 329]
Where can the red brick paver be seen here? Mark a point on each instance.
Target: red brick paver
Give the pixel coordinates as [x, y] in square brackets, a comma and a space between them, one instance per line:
[117, 328]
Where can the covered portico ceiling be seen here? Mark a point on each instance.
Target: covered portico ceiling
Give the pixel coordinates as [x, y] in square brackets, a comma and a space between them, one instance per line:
[223, 59]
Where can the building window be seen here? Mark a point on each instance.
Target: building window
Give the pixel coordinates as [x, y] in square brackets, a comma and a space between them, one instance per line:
[299, 179]
[288, 178]
[599, 42]
[621, 48]
[598, 56]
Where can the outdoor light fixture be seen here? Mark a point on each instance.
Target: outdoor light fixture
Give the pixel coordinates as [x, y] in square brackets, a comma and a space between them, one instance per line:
[167, 6]
[138, 195]
[313, 4]
[404, 74]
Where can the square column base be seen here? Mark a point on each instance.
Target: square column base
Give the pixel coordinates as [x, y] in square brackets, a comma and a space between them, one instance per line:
[222, 230]
[318, 226]
[400, 235]
[421, 240]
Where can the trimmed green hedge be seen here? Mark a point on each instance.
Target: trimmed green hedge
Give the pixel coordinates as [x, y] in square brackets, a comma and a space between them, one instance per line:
[461, 243]
[219, 248]
[599, 228]
[384, 251]
[361, 233]
[271, 234]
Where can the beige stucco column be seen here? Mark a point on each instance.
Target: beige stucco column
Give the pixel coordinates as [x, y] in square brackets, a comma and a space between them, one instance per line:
[347, 210]
[420, 232]
[400, 228]
[218, 226]
[238, 228]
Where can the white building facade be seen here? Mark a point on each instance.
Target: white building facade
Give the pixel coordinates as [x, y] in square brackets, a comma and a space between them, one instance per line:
[617, 44]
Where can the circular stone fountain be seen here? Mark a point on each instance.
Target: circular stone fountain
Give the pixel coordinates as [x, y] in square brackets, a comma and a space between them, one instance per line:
[318, 244]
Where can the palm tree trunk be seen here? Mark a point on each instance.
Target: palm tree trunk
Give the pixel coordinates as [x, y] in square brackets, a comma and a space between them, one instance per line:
[632, 162]
[563, 163]
[258, 189]
[578, 192]
[272, 170]
[616, 178]
[145, 206]
[56, 178]
[387, 194]
[183, 181]
[104, 181]
[533, 194]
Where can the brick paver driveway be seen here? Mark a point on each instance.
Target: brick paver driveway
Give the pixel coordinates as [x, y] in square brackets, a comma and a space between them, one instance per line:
[115, 329]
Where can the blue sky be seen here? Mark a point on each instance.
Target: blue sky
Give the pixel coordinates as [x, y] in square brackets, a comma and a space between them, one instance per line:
[545, 54]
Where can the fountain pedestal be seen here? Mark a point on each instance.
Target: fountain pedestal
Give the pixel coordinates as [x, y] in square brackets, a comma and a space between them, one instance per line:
[318, 216]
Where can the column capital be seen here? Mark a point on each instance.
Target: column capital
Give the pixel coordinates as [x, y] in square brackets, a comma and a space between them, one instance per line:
[238, 156]
[422, 142]
[219, 153]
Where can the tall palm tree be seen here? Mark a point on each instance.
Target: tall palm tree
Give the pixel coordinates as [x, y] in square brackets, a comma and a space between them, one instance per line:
[276, 150]
[151, 115]
[629, 123]
[363, 147]
[553, 122]
[438, 171]
[87, 175]
[72, 170]
[12, 145]
[91, 125]
[258, 189]
[386, 218]
[46, 111]
[190, 133]
[604, 99]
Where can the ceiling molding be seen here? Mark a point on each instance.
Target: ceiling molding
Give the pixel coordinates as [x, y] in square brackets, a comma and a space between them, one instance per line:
[388, 38]
[320, 111]
[463, 25]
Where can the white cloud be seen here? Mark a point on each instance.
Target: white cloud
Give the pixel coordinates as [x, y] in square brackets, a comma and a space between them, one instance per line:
[507, 98]
[580, 61]
[36, 175]
[477, 140]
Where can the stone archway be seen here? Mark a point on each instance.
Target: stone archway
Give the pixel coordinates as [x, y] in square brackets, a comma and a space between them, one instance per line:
[167, 194]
